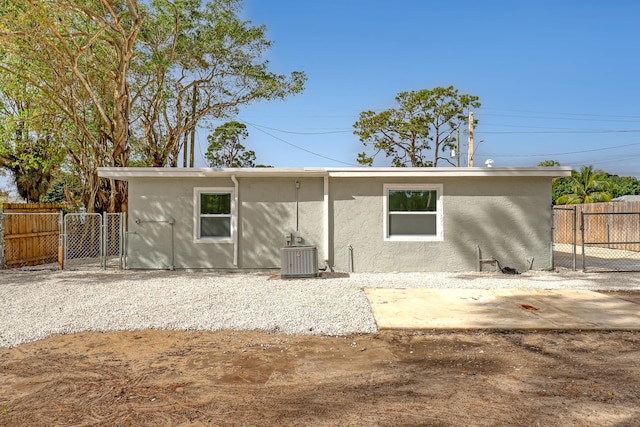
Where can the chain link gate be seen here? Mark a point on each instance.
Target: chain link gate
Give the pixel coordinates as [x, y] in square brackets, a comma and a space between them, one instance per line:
[91, 240]
[114, 235]
[565, 234]
[610, 241]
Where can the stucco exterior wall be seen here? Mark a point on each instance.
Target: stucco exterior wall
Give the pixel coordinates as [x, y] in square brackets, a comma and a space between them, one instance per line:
[508, 218]
[267, 210]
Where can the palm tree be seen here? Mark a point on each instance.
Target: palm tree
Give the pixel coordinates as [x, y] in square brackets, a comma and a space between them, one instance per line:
[588, 186]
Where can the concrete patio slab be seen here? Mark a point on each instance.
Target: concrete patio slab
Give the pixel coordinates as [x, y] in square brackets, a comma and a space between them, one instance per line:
[501, 309]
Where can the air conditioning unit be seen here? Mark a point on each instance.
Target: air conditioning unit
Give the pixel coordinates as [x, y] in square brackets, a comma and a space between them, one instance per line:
[299, 261]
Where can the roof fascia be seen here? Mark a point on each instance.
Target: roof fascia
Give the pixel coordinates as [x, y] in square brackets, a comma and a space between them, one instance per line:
[363, 172]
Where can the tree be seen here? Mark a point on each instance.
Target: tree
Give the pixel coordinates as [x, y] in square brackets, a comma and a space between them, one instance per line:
[588, 186]
[28, 150]
[623, 185]
[78, 56]
[225, 149]
[123, 76]
[199, 63]
[424, 119]
[549, 163]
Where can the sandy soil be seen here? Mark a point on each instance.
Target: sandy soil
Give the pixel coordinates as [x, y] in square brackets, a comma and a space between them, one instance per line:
[393, 378]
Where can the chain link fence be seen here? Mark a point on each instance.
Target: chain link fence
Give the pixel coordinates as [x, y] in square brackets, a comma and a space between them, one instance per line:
[598, 237]
[49, 240]
[92, 240]
[610, 241]
[114, 235]
[82, 241]
[565, 233]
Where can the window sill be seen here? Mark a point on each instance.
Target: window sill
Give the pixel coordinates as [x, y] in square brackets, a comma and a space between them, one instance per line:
[413, 239]
[214, 240]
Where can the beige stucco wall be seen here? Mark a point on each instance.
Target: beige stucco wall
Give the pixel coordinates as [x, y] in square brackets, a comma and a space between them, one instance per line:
[508, 218]
[266, 212]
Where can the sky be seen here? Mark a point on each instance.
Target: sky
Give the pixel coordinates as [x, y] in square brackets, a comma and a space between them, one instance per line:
[557, 79]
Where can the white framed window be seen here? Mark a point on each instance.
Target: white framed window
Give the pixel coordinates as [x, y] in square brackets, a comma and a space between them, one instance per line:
[214, 214]
[413, 212]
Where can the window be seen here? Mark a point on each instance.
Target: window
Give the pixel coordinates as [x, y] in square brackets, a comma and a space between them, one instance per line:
[412, 212]
[214, 212]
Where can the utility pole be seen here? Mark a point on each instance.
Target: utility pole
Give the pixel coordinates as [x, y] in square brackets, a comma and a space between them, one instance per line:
[185, 148]
[458, 148]
[193, 130]
[470, 154]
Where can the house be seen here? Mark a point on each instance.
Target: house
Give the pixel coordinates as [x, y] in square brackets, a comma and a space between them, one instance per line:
[358, 219]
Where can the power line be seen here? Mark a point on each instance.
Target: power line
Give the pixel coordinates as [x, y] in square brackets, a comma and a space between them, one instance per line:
[563, 154]
[297, 146]
[562, 114]
[561, 131]
[589, 119]
[300, 133]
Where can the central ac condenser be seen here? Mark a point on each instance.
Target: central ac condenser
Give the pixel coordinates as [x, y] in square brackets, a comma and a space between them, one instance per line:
[299, 261]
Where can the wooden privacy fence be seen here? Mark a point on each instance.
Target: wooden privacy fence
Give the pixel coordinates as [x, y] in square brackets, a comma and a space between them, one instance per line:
[29, 234]
[615, 222]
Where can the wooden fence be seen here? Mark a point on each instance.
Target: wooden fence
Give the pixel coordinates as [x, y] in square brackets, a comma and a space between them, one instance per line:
[29, 234]
[619, 222]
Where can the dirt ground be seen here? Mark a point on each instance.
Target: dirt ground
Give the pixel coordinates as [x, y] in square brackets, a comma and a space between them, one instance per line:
[393, 378]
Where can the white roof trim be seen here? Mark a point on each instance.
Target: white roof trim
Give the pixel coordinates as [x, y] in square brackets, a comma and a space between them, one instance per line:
[363, 172]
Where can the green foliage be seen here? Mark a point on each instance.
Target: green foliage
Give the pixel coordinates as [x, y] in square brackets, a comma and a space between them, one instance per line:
[424, 120]
[561, 186]
[115, 79]
[29, 146]
[587, 186]
[225, 149]
[199, 62]
[568, 190]
[215, 203]
[412, 201]
[66, 188]
[549, 163]
[623, 185]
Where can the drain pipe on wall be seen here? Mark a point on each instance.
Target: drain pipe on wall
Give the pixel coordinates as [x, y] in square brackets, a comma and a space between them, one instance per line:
[326, 242]
[350, 260]
[234, 220]
[297, 206]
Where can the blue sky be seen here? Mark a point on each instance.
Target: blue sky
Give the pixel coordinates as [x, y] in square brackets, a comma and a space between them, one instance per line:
[557, 79]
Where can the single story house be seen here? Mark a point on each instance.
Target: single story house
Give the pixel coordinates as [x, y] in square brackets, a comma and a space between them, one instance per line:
[355, 219]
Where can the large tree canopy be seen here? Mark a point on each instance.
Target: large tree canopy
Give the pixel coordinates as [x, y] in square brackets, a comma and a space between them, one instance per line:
[28, 150]
[225, 149]
[116, 77]
[424, 120]
[587, 186]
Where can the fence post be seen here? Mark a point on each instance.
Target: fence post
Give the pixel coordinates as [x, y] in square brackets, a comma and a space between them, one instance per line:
[104, 247]
[61, 241]
[575, 236]
[2, 258]
[123, 239]
[584, 268]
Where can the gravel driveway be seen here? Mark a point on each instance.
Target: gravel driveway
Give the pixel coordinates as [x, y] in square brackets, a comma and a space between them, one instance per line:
[38, 304]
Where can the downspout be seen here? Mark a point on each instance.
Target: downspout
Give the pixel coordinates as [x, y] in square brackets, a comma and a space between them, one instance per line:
[326, 220]
[297, 206]
[234, 220]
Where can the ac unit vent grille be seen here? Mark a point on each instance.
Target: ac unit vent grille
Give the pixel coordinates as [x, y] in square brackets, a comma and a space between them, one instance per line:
[299, 261]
